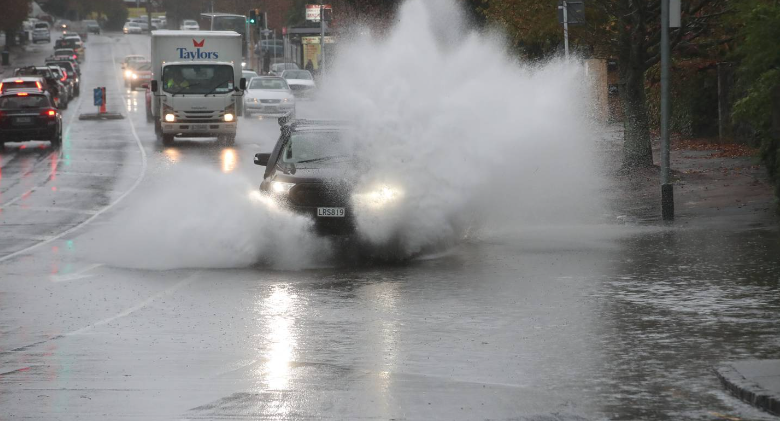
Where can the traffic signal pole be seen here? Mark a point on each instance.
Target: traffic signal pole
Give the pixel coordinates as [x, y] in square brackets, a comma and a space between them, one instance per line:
[322, 40]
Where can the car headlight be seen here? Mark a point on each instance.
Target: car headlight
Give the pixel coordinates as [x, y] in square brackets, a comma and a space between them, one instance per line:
[128, 73]
[170, 118]
[378, 197]
[280, 187]
[229, 117]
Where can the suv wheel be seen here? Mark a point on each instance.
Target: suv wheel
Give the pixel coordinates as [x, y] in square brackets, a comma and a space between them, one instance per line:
[56, 140]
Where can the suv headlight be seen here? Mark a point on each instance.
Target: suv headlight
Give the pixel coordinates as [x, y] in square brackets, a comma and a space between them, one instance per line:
[280, 187]
[378, 197]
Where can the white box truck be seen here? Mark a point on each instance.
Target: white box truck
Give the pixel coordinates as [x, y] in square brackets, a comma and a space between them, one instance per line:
[197, 89]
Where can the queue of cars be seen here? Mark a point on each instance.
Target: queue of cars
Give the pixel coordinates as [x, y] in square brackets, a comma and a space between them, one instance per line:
[31, 100]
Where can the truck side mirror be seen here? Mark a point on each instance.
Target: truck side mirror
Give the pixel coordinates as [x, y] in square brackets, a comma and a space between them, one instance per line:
[154, 86]
[262, 159]
[242, 84]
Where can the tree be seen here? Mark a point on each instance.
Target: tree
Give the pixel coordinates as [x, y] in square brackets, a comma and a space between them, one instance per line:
[11, 19]
[629, 30]
[759, 76]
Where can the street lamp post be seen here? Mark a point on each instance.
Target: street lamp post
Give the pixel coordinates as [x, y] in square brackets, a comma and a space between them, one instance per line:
[667, 189]
[322, 40]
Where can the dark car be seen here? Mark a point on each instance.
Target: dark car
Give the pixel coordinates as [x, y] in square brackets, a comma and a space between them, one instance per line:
[71, 69]
[69, 84]
[53, 84]
[312, 171]
[26, 116]
[92, 26]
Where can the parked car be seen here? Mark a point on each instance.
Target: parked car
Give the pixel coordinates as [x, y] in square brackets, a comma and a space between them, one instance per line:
[41, 32]
[92, 26]
[189, 25]
[26, 116]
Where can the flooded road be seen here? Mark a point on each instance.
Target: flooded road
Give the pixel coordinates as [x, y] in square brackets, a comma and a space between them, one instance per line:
[541, 322]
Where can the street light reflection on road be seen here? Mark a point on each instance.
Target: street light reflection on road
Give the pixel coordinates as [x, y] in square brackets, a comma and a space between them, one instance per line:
[228, 160]
[278, 319]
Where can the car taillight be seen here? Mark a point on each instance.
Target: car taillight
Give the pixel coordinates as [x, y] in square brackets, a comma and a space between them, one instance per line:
[1, 87]
[49, 113]
[75, 57]
[38, 84]
[64, 77]
[22, 94]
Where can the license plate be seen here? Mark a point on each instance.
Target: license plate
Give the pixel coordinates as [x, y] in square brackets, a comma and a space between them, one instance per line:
[200, 126]
[330, 212]
[23, 120]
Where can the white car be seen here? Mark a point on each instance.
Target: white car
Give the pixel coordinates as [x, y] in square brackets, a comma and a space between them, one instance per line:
[132, 28]
[189, 25]
[301, 82]
[41, 32]
[269, 96]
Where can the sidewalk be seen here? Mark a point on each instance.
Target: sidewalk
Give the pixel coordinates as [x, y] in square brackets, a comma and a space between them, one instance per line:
[756, 382]
[27, 55]
[713, 184]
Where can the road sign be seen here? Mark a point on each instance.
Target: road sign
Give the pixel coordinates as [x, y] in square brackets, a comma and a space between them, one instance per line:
[575, 12]
[313, 12]
[97, 94]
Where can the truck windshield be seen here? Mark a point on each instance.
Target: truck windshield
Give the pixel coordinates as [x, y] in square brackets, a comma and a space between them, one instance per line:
[189, 79]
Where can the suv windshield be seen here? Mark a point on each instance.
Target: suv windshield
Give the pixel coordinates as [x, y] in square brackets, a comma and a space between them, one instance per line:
[318, 146]
[29, 101]
[297, 74]
[268, 84]
[198, 79]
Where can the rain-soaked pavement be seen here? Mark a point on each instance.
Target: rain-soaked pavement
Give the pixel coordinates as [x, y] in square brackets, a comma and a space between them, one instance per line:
[565, 322]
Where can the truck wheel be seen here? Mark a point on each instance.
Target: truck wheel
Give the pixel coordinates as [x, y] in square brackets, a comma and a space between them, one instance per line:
[167, 139]
[157, 128]
[76, 91]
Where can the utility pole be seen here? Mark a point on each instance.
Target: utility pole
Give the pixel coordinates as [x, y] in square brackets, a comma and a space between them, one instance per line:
[322, 40]
[566, 29]
[667, 189]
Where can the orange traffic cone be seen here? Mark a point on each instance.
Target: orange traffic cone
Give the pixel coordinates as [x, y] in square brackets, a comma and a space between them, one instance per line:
[103, 104]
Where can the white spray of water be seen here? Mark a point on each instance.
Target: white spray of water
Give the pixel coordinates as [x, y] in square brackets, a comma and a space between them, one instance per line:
[201, 218]
[472, 137]
[469, 134]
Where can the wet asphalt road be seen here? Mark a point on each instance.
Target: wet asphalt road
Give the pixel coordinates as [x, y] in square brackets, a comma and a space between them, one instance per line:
[566, 322]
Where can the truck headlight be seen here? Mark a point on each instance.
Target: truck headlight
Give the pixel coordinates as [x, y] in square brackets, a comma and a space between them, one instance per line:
[280, 187]
[228, 117]
[135, 76]
[128, 73]
[170, 118]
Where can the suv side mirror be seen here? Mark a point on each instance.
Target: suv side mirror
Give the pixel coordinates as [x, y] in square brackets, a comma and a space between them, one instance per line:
[242, 84]
[154, 86]
[262, 159]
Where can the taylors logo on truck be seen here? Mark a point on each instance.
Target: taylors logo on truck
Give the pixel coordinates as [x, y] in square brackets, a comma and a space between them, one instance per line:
[198, 54]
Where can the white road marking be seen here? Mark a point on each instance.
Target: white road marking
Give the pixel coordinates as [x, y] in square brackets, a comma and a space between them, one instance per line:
[80, 274]
[107, 207]
[138, 306]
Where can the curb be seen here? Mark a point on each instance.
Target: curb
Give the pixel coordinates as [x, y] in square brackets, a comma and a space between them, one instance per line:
[746, 390]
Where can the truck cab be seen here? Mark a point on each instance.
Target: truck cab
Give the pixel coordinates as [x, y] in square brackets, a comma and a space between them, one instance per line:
[197, 86]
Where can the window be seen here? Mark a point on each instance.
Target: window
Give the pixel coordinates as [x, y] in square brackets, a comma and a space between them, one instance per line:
[30, 101]
[198, 79]
[267, 83]
[319, 146]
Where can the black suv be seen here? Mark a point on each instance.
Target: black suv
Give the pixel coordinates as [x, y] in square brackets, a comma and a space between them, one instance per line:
[314, 171]
[26, 116]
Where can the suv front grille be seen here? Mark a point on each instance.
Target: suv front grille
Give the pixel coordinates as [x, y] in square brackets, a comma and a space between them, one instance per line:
[318, 194]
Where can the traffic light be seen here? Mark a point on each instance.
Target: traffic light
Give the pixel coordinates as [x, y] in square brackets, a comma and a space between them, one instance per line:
[252, 17]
